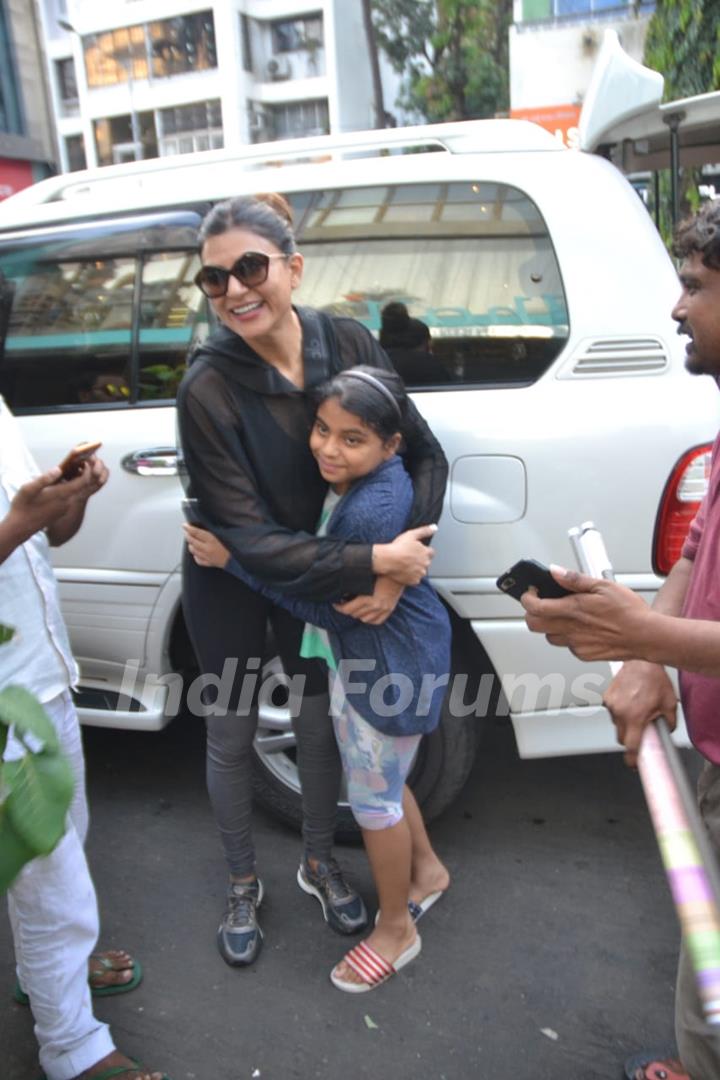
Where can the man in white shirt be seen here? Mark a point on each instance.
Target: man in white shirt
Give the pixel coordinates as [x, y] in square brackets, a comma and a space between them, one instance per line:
[52, 903]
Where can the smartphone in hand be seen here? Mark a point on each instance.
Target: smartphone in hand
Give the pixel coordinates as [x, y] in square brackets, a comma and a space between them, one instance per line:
[527, 572]
[190, 510]
[71, 465]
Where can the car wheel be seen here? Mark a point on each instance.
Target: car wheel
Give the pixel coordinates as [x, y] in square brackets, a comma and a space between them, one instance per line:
[441, 768]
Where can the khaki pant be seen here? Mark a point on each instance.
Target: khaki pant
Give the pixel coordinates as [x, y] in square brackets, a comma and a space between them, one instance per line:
[698, 1042]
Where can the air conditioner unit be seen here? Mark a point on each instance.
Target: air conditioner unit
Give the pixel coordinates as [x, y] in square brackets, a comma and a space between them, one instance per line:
[278, 68]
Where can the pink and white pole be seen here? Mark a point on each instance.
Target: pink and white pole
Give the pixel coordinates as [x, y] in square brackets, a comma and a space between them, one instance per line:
[689, 860]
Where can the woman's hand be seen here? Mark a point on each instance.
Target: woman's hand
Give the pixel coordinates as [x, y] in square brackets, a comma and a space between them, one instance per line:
[374, 609]
[406, 560]
[205, 548]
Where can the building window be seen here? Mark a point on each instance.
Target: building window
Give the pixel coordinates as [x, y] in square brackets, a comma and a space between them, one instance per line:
[75, 153]
[536, 10]
[166, 47]
[116, 141]
[11, 118]
[67, 86]
[298, 118]
[187, 128]
[585, 7]
[182, 44]
[245, 43]
[116, 56]
[289, 35]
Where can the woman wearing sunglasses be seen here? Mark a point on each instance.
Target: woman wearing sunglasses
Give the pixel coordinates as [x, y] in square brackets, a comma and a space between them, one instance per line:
[245, 414]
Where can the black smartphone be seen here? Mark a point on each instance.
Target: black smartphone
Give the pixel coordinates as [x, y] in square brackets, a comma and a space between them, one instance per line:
[190, 510]
[527, 572]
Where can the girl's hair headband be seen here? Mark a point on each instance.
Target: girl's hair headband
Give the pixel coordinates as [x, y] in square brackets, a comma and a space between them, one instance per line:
[366, 377]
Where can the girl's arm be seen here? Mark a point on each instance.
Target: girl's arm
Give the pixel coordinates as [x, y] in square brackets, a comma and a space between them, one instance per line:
[222, 479]
[298, 563]
[207, 550]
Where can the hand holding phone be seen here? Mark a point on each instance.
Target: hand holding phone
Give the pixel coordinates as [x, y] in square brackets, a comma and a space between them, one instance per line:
[527, 572]
[72, 463]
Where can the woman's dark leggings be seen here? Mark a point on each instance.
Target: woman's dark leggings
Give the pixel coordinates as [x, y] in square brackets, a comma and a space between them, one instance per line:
[227, 622]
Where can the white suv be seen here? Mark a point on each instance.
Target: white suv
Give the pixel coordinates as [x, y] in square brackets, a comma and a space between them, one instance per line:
[558, 393]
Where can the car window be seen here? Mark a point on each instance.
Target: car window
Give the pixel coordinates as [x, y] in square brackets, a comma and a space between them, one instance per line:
[472, 262]
[70, 330]
[73, 337]
[173, 316]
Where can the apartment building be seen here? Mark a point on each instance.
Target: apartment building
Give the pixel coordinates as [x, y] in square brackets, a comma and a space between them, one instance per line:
[27, 149]
[134, 79]
[553, 47]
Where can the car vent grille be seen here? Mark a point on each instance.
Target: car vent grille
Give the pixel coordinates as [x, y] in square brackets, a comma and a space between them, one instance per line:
[620, 356]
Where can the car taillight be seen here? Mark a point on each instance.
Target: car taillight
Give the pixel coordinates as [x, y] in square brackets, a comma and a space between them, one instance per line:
[681, 499]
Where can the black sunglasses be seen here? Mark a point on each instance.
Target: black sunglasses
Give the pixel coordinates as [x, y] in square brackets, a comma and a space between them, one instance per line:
[251, 269]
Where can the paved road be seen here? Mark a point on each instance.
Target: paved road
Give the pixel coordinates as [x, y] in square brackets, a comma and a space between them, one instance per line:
[551, 959]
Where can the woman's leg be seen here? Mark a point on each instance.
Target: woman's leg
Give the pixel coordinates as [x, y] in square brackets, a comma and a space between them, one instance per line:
[320, 771]
[318, 759]
[227, 622]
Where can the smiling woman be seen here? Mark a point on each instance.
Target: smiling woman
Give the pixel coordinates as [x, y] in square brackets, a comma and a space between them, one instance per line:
[245, 412]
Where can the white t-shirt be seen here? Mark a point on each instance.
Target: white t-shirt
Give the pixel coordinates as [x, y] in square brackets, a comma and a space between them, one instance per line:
[38, 657]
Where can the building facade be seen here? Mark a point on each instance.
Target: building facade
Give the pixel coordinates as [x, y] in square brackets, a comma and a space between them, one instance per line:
[553, 48]
[27, 147]
[134, 79]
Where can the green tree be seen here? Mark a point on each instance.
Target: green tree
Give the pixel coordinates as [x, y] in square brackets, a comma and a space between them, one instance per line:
[683, 44]
[453, 54]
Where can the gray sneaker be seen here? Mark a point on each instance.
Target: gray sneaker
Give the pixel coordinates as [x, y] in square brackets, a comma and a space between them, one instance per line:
[343, 907]
[239, 936]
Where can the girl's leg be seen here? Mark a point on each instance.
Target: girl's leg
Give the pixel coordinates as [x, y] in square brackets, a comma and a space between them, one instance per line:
[390, 854]
[428, 874]
[376, 766]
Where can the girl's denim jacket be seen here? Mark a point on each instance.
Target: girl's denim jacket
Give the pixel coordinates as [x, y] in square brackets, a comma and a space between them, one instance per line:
[395, 675]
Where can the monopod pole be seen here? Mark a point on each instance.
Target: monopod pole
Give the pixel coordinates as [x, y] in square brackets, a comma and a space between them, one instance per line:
[689, 860]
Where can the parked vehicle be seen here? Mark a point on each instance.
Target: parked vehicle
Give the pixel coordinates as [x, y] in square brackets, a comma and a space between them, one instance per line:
[558, 392]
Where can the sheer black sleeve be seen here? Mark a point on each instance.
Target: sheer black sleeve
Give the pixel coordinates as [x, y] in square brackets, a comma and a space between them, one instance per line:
[377, 520]
[222, 479]
[423, 455]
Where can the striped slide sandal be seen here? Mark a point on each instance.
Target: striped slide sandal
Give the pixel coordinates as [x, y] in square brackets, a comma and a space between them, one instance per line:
[372, 968]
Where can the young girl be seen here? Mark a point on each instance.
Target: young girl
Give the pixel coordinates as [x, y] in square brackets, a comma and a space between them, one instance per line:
[388, 679]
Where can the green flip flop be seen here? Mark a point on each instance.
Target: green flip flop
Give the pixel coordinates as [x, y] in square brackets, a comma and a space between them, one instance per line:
[117, 1070]
[97, 991]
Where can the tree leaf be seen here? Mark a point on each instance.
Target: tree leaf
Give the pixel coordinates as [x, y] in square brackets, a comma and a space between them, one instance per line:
[41, 789]
[20, 710]
[14, 852]
[6, 634]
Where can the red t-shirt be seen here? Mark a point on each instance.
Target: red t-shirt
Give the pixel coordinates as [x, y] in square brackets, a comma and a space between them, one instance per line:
[700, 694]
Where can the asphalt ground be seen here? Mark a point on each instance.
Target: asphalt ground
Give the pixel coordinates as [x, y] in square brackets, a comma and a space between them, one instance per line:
[551, 958]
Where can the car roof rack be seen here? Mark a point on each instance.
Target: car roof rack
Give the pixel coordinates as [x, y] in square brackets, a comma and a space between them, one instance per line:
[468, 136]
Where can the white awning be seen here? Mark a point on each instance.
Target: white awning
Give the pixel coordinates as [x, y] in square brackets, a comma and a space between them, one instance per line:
[622, 115]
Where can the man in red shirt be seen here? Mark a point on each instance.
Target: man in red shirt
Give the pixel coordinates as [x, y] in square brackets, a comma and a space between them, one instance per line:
[605, 621]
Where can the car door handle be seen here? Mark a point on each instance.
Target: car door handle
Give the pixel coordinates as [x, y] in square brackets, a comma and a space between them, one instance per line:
[158, 461]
